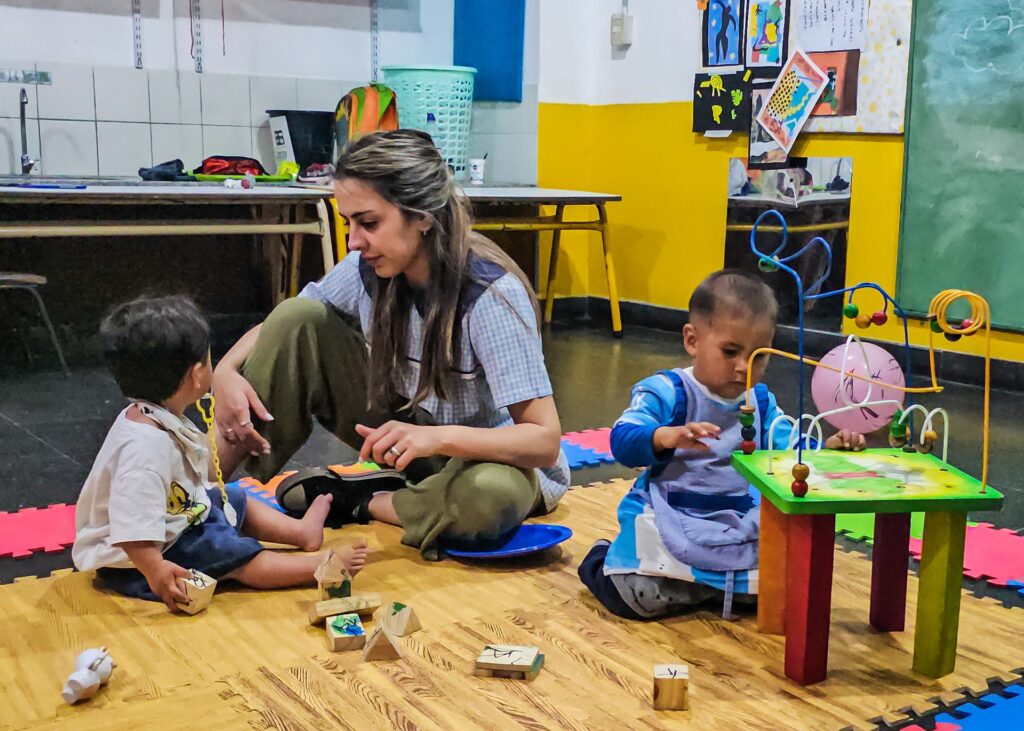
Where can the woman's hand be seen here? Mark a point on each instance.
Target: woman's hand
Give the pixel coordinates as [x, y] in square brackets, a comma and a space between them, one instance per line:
[397, 443]
[846, 440]
[237, 403]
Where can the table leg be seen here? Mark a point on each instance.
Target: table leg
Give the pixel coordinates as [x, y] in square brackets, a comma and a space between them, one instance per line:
[549, 293]
[771, 574]
[810, 557]
[938, 594]
[889, 572]
[326, 242]
[609, 269]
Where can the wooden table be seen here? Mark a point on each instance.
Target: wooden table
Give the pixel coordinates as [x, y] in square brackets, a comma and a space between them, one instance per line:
[561, 200]
[797, 537]
[273, 209]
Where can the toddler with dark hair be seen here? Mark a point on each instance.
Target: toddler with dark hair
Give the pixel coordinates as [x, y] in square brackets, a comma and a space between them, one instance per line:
[147, 514]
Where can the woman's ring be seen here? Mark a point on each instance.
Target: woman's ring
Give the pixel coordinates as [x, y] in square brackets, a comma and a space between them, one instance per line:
[395, 451]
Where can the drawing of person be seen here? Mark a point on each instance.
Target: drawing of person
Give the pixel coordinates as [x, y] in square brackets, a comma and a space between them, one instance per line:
[722, 39]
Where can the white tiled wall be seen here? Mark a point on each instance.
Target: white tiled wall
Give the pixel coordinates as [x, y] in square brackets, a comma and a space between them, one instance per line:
[112, 121]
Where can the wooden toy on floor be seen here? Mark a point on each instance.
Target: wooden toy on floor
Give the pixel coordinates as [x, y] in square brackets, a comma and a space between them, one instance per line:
[509, 661]
[399, 619]
[345, 632]
[92, 669]
[333, 580]
[380, 645]
[361, 604]
[671, 687]
[199, 587]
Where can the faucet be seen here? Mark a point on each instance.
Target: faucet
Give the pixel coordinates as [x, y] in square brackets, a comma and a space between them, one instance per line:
[27, 163]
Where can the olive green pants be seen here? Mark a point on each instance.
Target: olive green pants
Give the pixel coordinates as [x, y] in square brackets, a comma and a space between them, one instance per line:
[311, 363]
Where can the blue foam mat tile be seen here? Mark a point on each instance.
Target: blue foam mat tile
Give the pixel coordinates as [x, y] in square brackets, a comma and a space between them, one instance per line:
[1018, 585]
[583, 457]
[999, 713]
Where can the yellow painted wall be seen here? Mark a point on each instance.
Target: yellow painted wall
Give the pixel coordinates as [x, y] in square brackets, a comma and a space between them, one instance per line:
[668, 232]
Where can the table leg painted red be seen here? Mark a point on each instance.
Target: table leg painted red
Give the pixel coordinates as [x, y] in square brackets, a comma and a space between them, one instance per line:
[811, 543]
[889, 572]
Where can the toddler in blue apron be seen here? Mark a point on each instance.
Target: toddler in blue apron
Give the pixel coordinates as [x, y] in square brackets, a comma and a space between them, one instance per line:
[688, 529]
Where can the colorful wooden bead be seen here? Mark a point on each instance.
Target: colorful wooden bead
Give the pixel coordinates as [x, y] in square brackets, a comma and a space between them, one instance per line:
[927, 442]
[748, 433]
[767, 265]
[862, 321]
[744, 409]
[801, 472]
[746, 419]
[879, 318]
[799, 487]
[897, 440]
[935, 326]
[748, 447]
[953, 337]
[930, 436]
[967, 324]
[850, 311]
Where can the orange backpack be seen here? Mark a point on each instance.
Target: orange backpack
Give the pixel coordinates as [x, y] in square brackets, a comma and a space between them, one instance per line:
[363, 110]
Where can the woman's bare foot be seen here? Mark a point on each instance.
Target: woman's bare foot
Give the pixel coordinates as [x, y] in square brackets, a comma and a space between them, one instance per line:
[311, 529]
[354, 556]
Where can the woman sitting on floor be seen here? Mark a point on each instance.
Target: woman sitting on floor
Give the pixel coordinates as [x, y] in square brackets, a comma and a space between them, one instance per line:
[417, 346]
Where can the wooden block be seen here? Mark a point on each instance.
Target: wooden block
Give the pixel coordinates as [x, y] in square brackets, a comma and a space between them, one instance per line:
[938, 593]
[361, 604]
[507, 657]
[671, 687]
[199, 587]
[399, 619]
[380, 645]
[889, 572]
[345, 632]
[333, 581]
[771, 599]
[530, 674]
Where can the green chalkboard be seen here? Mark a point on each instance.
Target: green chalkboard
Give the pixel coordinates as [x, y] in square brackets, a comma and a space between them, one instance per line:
[963, 196]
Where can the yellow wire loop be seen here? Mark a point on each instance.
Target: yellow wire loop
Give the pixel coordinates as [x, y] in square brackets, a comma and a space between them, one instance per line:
[211, 434]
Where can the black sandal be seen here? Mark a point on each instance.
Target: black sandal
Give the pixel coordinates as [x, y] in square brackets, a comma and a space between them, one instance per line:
[296, 492]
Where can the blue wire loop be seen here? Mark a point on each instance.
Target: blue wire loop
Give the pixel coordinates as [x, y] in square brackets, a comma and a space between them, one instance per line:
[811, 293]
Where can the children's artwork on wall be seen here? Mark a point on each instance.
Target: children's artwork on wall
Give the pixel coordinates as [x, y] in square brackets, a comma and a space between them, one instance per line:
[721, 102]
[840, 96]
[765, 153]
[766, 28]
[829, 25]
[792, 99]
[723, 33]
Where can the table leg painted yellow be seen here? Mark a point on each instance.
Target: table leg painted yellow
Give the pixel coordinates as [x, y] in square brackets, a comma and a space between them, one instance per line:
[549, 292]
[938, 595]
[771, 581]
[609, 270]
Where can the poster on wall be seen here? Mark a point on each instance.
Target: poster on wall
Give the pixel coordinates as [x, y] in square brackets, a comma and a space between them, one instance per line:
[840, 96]
[792, 99]
[829, 25]
[723, 33]
[765, 153]
[767, 22]
[721, 102]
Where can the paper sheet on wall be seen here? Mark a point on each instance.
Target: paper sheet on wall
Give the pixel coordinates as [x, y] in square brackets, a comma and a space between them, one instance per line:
[792, 99]
[882, 78]
[830, 25]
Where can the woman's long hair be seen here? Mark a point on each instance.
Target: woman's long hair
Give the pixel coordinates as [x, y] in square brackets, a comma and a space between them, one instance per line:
[406, 169]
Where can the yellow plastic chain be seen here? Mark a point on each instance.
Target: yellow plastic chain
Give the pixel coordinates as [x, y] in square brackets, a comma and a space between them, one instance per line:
[211, 434]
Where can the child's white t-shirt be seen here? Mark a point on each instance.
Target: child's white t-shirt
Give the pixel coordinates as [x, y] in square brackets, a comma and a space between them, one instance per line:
[140, 488]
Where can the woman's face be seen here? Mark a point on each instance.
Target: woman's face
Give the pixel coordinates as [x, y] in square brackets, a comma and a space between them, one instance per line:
[384, 238]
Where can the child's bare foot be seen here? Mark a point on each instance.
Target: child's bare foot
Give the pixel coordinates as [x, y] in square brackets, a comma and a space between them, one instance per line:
[311, 531]
[354, 556]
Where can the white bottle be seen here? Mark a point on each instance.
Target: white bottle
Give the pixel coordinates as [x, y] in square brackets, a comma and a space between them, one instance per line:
[431, 127]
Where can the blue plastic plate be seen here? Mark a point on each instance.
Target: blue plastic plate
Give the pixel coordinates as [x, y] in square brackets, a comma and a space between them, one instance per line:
[527, 538]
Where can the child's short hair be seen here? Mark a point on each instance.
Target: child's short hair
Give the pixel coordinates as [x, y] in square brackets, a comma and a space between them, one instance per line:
[151, 342]
[735, 290]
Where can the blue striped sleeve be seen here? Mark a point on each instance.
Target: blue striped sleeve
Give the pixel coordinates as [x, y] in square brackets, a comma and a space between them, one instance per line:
[651, 405]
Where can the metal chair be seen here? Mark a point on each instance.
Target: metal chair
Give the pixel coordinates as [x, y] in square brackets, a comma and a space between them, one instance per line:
[31, 284]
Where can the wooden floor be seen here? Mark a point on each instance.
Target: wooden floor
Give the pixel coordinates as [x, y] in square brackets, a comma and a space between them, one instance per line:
[252, 661]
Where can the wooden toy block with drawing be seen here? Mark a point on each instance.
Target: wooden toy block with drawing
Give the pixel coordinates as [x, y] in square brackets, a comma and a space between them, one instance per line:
[671, 687]
[399, 619]
[509, 661]
[333, 581]
[199, 587]
[380, 645]
[362, 604]
[345, 632]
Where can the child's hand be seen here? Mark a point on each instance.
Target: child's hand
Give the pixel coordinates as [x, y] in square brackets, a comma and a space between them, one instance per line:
[163, 580]
[846, 440]
[687, 436]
